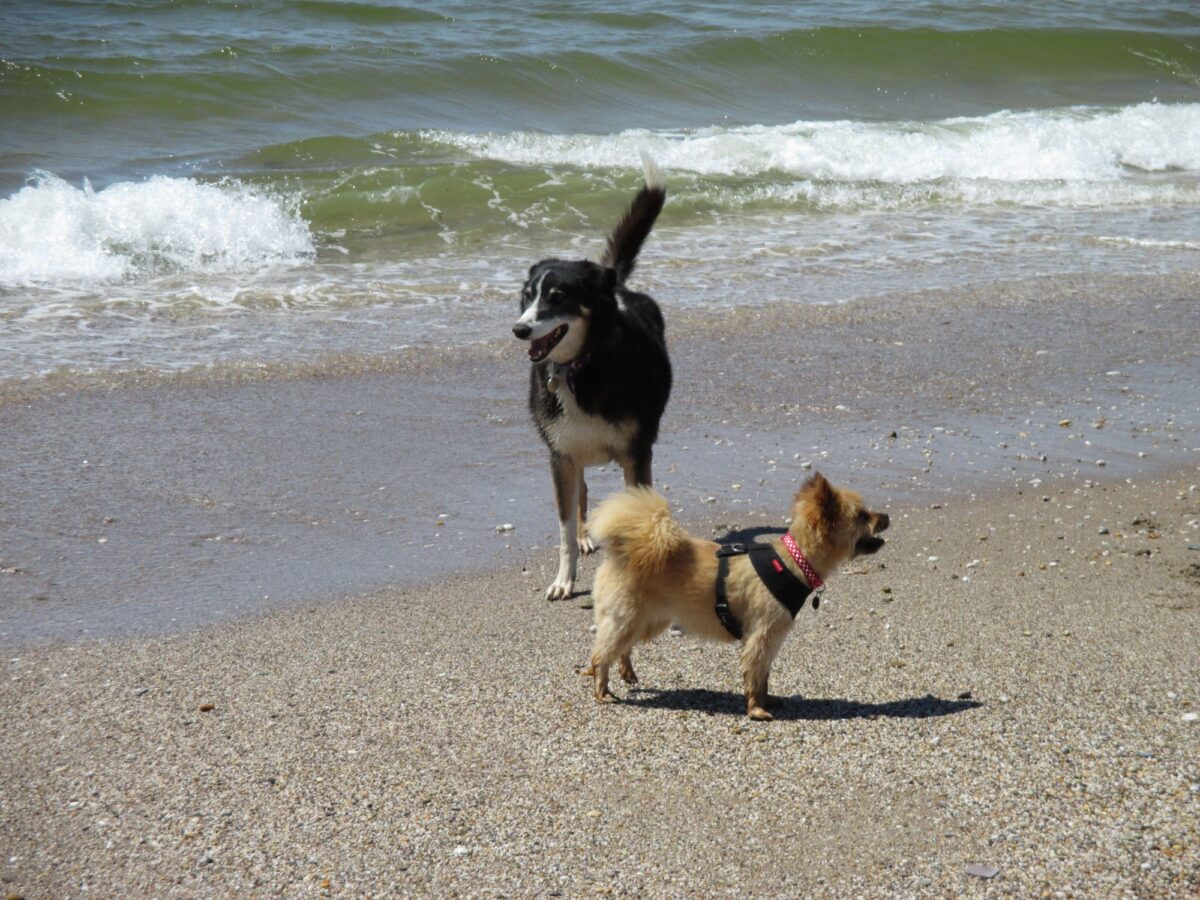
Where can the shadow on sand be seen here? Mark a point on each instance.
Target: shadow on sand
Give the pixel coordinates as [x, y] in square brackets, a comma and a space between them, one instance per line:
[798, 707]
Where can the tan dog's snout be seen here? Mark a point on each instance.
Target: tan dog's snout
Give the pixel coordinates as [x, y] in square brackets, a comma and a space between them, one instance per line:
[871, 542]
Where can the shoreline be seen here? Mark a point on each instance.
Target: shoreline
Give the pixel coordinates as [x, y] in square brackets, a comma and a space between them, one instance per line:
[692, 322]
[170, 506]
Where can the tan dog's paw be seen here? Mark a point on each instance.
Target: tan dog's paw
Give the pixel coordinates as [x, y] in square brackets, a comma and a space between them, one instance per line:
[625, 668]
[759, 714]
[586, 545]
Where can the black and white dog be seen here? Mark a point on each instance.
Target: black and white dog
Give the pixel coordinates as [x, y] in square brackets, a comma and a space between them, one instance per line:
[600, 377]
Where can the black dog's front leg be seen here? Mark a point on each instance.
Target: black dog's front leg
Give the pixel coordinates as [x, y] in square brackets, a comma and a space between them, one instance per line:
[566, 498]
[586, 546]
[637, 469]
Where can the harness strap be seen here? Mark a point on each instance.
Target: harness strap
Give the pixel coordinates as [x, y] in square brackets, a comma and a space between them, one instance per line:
[778, 579]
[786, 587]
[723, 612]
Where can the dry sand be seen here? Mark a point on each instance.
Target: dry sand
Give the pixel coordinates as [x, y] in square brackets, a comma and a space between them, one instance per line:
[1012, 682]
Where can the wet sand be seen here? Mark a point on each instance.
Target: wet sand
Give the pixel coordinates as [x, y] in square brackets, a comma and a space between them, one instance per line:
[1010, 683]
[147, 505]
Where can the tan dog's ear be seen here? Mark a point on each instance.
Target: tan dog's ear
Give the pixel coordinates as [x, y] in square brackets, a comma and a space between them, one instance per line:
[817, 489]
[822, 503]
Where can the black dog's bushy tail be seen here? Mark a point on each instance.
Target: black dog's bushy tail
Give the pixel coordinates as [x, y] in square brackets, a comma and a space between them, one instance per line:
[627, 238]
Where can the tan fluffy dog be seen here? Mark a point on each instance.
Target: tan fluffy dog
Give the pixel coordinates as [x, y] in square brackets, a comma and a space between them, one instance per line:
[655, 573]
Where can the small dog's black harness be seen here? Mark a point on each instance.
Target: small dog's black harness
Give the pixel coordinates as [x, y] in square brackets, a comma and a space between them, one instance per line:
[779, 580]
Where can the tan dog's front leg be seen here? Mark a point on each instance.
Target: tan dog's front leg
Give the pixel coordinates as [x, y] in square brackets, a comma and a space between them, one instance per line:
[756, 706]
[758, 652]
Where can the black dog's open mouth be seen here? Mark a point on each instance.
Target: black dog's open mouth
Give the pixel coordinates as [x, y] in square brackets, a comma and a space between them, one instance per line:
[868, 545]
[539, 349]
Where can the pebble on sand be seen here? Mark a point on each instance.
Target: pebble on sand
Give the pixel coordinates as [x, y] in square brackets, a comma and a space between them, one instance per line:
[980, 870]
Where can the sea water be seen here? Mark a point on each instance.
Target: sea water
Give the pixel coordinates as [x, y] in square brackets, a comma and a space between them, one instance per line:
[208, 183]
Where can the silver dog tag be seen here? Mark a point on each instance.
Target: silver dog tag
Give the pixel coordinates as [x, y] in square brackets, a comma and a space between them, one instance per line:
[552, 383]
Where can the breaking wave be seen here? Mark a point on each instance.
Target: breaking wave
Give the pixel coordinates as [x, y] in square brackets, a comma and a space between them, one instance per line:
[54, 232]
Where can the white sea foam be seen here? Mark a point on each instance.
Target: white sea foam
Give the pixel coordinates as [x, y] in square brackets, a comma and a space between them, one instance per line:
[1149, 243]
[54, 233]
[1076, 155]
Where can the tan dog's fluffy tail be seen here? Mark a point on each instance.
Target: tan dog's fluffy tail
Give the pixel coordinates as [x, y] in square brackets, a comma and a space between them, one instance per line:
[637, 530]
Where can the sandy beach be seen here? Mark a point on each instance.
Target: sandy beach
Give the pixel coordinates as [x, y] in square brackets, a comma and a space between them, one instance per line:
[276, 527]
[1006, 686]
[1011, 683]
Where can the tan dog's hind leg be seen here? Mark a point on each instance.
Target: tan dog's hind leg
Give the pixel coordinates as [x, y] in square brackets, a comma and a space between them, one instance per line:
[600, 682]
[648, 632]
[758, 652]
[602, 657]
[613, 642]
[624, 664]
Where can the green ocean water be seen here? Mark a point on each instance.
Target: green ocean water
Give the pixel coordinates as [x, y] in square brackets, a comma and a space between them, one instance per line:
[182, 178]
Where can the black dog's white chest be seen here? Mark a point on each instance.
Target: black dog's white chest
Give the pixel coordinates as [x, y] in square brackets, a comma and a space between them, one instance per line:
[590, 440]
